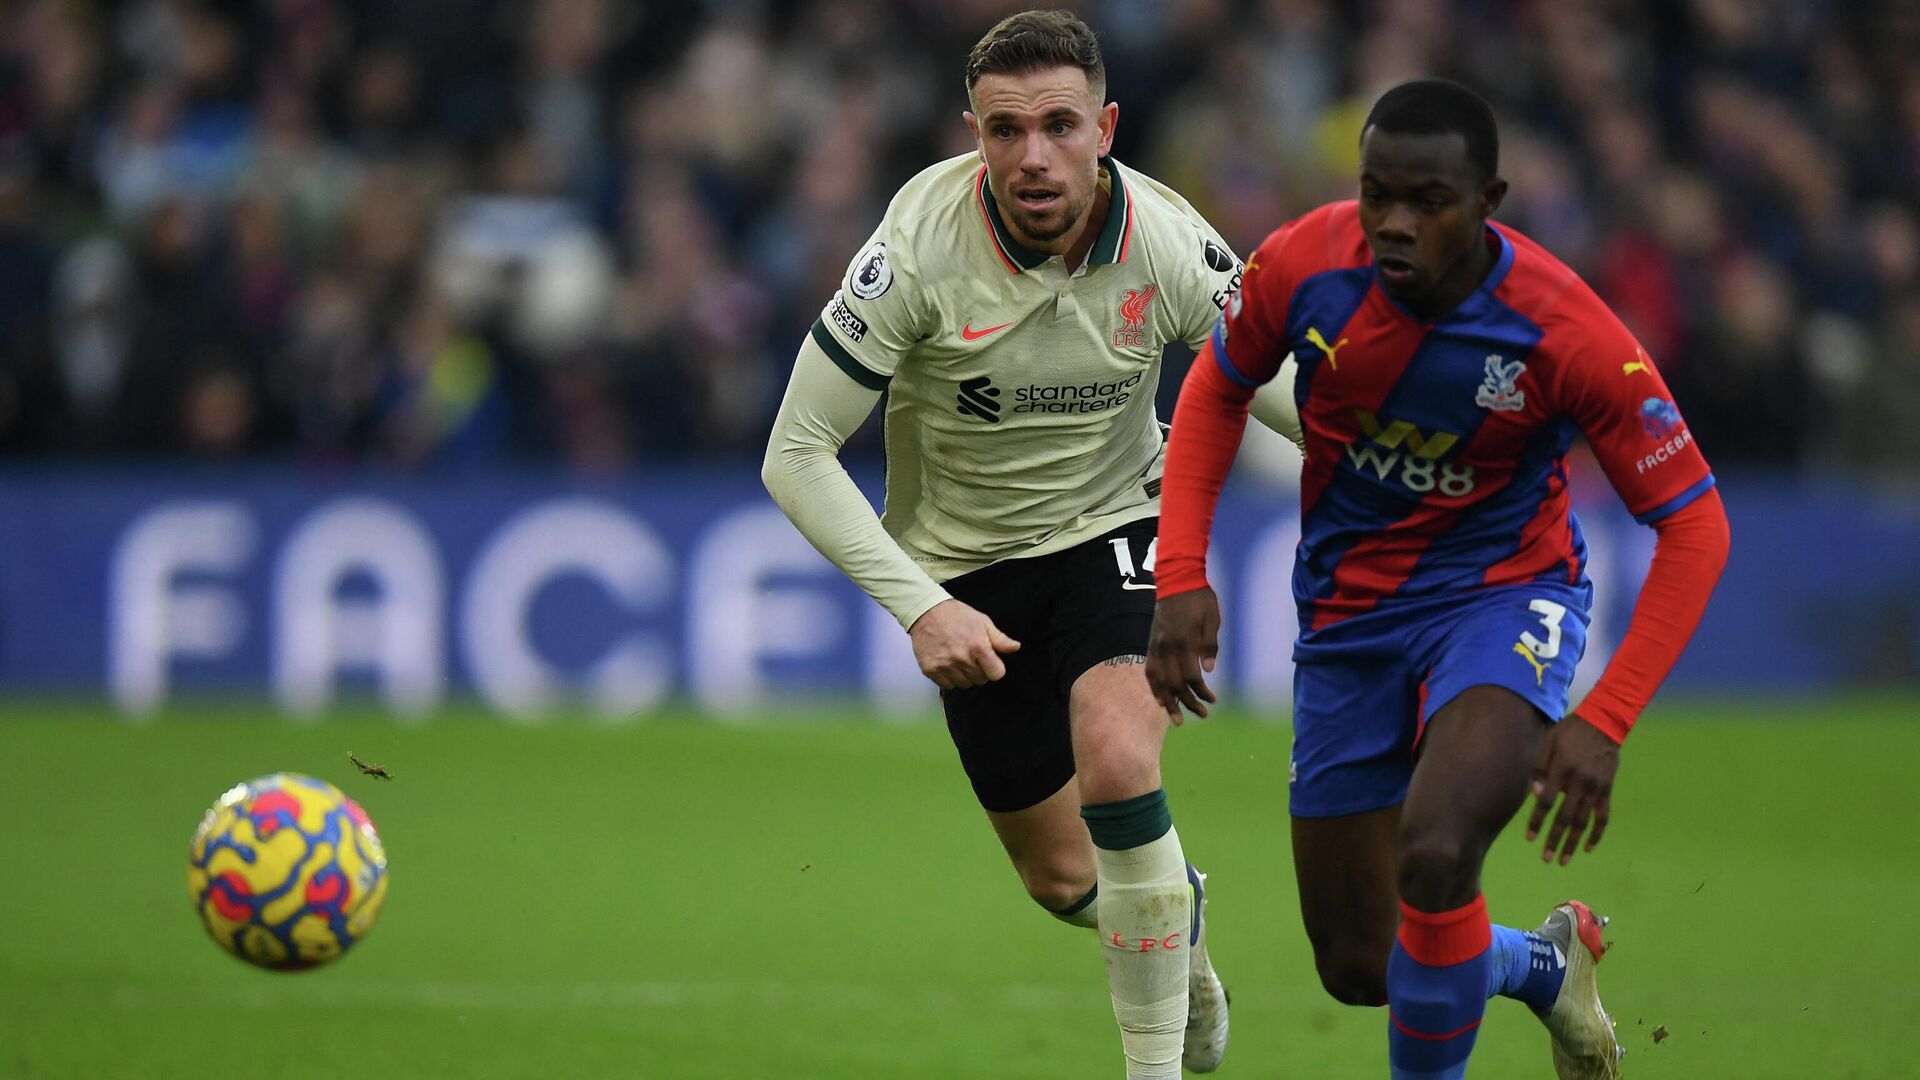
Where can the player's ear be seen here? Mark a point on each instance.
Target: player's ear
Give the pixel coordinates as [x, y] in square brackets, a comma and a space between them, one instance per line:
[1492, 193]
[1109, 117]
[973, 125]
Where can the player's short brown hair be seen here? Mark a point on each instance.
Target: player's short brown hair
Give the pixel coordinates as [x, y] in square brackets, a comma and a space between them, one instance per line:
[1033, 40]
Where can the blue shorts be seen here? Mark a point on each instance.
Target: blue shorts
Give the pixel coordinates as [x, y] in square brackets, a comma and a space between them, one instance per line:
[1364, 688]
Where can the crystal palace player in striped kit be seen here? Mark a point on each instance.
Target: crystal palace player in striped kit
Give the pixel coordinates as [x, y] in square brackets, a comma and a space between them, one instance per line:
[1442, 365]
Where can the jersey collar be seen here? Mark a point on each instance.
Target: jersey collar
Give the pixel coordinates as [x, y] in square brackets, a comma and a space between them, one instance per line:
[1110, 247]
[1117, 233]
[1477, 306]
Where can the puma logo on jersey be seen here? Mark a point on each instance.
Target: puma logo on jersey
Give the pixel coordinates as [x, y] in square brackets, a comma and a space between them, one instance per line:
[1539, 666]
[968, 333]
[1313, 335]
[1644, 363]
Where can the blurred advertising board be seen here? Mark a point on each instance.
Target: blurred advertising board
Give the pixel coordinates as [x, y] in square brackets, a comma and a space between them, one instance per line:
[541, 594]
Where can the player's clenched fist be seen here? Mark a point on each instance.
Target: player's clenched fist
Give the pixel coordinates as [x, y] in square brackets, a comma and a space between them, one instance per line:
[959, 647]
[1182, 648]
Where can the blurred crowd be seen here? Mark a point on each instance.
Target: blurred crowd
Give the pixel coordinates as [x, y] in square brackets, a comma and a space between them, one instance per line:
[423, 233]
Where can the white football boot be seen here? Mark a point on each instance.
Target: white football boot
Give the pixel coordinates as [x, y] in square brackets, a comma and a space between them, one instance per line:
[1206, 1040]
[1584, 1044]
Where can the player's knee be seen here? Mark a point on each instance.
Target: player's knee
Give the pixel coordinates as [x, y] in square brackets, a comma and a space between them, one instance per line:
[1057, 886]
[1115, 763]
[1352, 980]
[1352, 968]
[1438, 871]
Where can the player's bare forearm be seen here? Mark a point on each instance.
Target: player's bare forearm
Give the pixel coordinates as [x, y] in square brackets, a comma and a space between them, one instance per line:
[1576, 767]
[1182, 649]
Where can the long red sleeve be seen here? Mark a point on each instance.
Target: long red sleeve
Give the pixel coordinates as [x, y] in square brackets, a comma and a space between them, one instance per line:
[1687, 560]
[1207, 425]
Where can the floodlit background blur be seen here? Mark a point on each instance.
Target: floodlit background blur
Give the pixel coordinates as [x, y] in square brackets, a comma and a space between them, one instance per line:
[299, 298]
[480, 232]
[430, 347]
[379, 361]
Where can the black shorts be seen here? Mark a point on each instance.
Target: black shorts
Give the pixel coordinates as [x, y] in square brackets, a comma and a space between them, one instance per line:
[1069, 611]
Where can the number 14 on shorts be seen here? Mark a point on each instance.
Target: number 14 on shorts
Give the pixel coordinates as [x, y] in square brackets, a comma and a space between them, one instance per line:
[1531, 648]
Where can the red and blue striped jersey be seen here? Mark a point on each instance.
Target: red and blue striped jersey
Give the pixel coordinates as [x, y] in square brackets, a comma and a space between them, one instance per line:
[1436, 449]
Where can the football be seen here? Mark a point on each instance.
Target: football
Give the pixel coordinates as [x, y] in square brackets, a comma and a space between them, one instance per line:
[286, 872]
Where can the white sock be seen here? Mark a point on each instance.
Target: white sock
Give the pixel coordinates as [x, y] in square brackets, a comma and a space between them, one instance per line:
[1145, 915]
[1084, 912]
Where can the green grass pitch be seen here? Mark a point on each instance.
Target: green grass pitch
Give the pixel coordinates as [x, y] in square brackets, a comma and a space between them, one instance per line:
[811, 896]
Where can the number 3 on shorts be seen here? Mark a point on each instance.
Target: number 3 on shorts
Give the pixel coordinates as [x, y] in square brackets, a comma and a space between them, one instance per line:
[1534, 651]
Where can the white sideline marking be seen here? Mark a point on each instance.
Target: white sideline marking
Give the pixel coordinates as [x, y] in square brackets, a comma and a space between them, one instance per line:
[544, 997]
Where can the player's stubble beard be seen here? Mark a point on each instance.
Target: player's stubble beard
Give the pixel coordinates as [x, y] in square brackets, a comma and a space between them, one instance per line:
[1046, 229]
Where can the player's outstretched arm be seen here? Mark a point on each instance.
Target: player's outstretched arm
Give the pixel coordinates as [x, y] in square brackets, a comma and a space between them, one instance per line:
[1579, 756]
[822, 409]
[1207, 426]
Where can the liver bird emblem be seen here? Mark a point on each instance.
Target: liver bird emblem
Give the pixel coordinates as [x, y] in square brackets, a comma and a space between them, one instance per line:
[1133, 307]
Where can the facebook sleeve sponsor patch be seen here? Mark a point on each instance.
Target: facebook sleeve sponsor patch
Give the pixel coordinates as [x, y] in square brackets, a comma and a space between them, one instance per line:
[1620, 401]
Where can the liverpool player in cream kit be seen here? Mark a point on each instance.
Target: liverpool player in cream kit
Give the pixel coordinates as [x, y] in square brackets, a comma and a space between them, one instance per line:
[1013, 304]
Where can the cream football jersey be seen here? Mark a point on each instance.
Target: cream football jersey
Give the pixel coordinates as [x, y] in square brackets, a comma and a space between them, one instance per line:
[1020, 392]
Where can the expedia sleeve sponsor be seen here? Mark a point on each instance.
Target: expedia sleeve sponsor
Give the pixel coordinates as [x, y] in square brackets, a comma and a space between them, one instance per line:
[1217, 278]
[1225, 292]
[1226, 273]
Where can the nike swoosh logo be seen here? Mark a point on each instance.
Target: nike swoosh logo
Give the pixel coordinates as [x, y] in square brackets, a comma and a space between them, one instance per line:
[1138, 585]
[968, 333]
